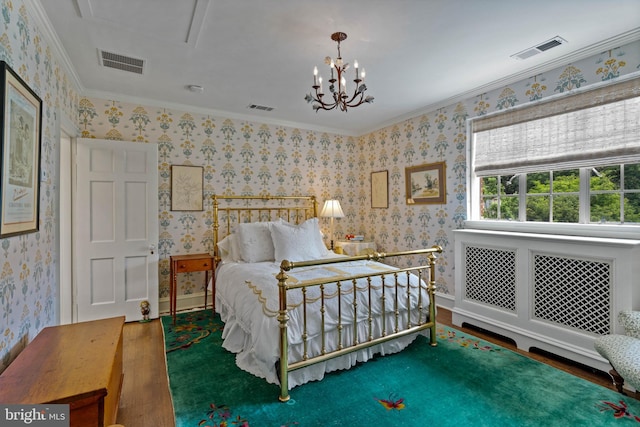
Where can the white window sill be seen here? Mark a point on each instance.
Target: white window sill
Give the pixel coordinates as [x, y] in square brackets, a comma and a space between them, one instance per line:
[631, 232]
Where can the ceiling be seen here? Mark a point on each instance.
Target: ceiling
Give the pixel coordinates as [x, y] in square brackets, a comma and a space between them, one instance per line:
[418, 54]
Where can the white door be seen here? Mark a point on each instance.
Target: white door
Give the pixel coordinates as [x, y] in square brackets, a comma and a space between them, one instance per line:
[116, 229]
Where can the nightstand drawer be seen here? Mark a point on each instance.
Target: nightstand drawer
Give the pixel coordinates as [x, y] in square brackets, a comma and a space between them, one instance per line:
[185, 266]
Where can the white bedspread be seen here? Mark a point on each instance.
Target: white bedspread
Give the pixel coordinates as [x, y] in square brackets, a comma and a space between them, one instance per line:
[247, 300]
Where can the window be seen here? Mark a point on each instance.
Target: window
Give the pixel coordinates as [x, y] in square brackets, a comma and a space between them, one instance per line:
[570, 160]
[612, 196]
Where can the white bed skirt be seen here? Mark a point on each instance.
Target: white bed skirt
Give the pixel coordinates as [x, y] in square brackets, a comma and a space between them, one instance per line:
[239, 340]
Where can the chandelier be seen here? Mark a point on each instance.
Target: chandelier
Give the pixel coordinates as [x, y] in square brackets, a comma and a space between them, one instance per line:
[339, 97]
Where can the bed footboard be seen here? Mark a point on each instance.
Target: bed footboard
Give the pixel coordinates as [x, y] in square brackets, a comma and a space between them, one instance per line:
[407, 313]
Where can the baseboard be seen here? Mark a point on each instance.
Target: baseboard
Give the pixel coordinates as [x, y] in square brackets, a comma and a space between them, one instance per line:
[525, 339]
[185, 302]
[445, 301]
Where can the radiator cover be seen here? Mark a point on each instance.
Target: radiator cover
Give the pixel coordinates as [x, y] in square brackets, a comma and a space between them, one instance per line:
[549, 292]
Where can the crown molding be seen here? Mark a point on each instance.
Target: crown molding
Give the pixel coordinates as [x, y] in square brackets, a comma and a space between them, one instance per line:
[213, 112]
[41, 20]
[594, 49]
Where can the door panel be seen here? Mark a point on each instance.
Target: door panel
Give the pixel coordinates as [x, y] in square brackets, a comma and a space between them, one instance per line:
[117, 223]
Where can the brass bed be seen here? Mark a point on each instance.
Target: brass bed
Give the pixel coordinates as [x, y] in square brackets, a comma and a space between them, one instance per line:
[353, 313]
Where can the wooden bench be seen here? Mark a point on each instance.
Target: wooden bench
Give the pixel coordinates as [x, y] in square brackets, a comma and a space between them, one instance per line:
[79, 365]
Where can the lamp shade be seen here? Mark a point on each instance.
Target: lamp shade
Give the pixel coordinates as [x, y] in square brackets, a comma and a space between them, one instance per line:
[332, 209]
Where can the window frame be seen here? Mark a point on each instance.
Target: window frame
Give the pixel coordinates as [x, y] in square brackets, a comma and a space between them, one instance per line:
[582, 228]
[474, 197]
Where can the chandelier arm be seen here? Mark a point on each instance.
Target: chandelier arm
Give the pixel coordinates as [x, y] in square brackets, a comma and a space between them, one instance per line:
[338, 92]
[355, 95]
[325, 107]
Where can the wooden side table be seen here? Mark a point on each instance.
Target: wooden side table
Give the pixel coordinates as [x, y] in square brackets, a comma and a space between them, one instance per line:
[188, 264]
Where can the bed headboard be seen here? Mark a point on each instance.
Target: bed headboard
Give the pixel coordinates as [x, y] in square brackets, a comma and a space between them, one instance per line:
[228, 211]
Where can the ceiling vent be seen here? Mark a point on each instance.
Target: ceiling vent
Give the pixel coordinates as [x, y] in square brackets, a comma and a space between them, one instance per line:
[259, 107]
[121, 62]
[542, 47]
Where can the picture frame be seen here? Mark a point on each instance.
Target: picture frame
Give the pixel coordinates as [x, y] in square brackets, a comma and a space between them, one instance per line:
[426, 184]
[380, 189]
[186, 188]
[20, 147]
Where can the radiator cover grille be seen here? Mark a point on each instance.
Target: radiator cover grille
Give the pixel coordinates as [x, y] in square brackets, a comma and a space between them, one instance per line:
[490, 277]
[573, 292]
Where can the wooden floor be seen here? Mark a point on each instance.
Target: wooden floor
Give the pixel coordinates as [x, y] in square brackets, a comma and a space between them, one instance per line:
[146, 400]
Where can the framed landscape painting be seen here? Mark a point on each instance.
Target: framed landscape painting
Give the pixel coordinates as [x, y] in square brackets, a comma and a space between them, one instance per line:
[426, 184]
[21, 114]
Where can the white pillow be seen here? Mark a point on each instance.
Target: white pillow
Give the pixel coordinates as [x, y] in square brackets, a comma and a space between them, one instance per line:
[254, 241]
[228, 249]
[298, 242]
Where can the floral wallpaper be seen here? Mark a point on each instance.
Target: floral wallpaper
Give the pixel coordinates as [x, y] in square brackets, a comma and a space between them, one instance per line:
[246, 157]
[28, 263]
[250, 158]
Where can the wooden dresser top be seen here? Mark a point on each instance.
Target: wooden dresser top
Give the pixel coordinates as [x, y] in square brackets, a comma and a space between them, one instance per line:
[64, 363]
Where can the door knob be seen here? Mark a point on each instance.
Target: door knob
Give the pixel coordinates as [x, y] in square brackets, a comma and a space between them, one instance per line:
[152, 248]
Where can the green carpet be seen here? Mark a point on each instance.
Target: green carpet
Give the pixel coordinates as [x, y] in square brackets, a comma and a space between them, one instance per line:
[464, 381]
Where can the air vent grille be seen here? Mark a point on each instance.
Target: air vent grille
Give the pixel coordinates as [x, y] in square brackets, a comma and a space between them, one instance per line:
[542, 47]
[548, 45]
[121, 62]
[259, 107]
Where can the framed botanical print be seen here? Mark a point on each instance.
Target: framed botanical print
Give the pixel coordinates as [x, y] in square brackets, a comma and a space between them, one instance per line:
[380, 189]
[186, 188]
[21, 114]
[426, 184]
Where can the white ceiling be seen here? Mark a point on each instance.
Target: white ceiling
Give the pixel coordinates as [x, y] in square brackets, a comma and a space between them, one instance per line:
[418, 54]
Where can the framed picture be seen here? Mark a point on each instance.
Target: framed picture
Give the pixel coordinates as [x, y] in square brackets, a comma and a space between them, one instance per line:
[186, 188]
[21, 113]
[426, 184]
[380, 189]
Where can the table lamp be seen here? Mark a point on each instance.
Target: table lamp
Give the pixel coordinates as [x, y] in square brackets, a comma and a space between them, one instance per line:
[331, 209]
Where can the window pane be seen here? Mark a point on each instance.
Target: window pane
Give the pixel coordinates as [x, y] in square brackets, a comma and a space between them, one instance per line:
[605, 178]
[566, 181]
[632, 177]
[538, 183]
[489, 185]
[631, 207]
[566, 208]
[509, 208]
[509, 184]
[489, 208]
[605, 208]
[537, 208]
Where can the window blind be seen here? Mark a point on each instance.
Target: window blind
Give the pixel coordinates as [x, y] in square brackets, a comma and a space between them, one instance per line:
[589, 129]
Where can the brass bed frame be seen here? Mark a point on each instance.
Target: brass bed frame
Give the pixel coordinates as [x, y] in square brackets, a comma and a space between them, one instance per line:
[297, 209]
